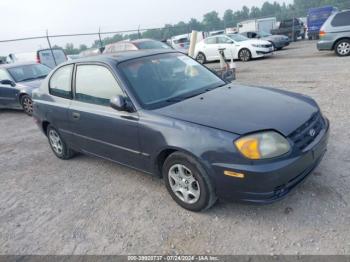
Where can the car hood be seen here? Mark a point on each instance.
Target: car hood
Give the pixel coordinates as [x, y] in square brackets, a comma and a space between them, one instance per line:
[244, 109]
[275, 37]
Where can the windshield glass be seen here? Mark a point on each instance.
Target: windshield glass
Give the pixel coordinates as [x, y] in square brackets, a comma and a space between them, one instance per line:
[151, 45]
[238, 37]
[159, 80]
[28, 72]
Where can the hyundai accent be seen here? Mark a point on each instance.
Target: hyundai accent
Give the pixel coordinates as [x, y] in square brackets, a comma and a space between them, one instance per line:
[165, 114]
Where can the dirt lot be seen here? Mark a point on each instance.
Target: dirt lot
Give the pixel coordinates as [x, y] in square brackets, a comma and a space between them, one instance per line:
[91, 206]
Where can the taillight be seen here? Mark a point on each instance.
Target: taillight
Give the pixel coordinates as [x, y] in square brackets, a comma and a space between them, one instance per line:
[322, 33]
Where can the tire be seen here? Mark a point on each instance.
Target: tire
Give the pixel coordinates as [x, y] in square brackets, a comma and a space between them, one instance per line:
[58, 146]
[27, 104]
[245, 55]
[201, 58]
[188, 183]
[342, 48]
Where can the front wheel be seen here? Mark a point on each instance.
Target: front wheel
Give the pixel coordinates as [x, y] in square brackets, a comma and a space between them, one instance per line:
[188, 183]
[27, 104]
[57, 144]
[342, 48]
[245, 55]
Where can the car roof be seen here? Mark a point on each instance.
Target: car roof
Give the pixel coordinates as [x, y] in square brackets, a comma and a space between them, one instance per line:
[120, 57]
[12, 65]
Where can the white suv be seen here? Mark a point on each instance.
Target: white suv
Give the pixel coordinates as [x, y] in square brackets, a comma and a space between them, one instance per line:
[236, 46]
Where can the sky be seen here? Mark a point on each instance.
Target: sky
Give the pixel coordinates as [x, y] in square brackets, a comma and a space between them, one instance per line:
[25, 18]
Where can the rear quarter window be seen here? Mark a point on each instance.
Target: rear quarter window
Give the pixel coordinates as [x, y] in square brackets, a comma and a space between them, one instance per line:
[61, 82]
[341, 19]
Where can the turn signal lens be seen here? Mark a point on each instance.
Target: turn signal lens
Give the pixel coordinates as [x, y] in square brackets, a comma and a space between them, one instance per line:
[249, 147]
[263, 145]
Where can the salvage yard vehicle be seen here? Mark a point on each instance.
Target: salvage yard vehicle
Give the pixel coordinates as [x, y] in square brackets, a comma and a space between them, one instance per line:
[17, 81]
[158, 112]
[134, 45]
[42, 56]
[335, 34]
[316, 18]
[278, 41]
[293, 28]
[236, 46]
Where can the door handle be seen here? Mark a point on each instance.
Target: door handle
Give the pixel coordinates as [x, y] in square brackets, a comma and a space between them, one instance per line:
[76, 116]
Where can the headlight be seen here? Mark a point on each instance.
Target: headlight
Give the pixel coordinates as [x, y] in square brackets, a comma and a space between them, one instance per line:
[257, 45]
[263, 145]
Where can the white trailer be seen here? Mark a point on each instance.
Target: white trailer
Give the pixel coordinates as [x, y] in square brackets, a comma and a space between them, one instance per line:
[257, 25]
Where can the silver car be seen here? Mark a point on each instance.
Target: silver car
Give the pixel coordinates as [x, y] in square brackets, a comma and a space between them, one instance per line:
[335, 34]
[278, 41]
[17, 81]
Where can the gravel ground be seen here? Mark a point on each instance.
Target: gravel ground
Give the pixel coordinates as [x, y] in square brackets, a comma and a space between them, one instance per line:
[91, 206]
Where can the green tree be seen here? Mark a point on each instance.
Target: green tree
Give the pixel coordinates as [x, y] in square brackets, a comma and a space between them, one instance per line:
[212, 21]
[229, 19]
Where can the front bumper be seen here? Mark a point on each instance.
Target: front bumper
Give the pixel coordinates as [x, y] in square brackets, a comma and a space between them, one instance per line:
[269, 182]
[260, 52]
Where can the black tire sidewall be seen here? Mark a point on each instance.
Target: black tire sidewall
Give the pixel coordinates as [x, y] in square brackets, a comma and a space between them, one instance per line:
[200, 175]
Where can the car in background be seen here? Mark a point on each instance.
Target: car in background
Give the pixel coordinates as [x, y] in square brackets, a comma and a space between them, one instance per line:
[316, 18]
[72, 57]
[157, 111]
[17, 81]
[90, 52]
[133, 45]
[335, 34]
[236, 46]
[181, 43]
[293, 28]
[49, 57]
[278, 41]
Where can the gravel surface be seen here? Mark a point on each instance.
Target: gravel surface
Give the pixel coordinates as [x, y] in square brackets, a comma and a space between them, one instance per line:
[90, 206]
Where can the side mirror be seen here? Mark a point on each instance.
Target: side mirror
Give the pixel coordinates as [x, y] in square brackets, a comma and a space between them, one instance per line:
[118, 103]
[8, 82]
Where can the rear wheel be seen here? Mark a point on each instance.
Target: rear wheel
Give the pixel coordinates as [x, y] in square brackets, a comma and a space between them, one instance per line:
[201, 58]
[188, 183]
[58, 146]
[27, 104]
[342, 48]
[245, 55]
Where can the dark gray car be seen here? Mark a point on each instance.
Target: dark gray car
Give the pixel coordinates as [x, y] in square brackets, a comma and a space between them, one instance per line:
[17, 81]
[335, 34]
[163, 113]
[278, 41]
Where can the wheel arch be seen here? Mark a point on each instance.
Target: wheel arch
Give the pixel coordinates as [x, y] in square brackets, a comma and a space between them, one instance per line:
[338, 40]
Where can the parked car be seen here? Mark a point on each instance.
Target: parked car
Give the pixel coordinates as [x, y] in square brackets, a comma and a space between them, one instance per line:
[17, 81]
[236, 46]
[181, 43]
[316, 18]
[277, 41]
[293, 28]
[335, 34]
[134, 45]
[91, 52]
[163, 113]
[257, 25]
[42, 56]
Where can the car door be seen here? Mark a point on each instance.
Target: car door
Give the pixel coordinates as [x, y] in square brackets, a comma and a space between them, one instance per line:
[228, 44]
[98, 128]
[8, 93]
[210, 48]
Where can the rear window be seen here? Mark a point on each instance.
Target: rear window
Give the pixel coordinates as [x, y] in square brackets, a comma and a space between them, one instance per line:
[341, 19]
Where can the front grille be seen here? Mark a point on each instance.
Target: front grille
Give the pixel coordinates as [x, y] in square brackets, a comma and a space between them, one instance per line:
[304, 136]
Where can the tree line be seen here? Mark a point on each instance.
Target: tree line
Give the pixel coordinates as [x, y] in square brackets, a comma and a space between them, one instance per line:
[212, 21]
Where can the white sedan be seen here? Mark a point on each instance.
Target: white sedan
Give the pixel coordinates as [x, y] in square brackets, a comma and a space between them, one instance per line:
[236, 46]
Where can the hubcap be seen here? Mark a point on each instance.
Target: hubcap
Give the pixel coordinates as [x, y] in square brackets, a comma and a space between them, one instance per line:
[55, 142]
[344, 48]
[184, 184]
[27, 105]
[245, 55]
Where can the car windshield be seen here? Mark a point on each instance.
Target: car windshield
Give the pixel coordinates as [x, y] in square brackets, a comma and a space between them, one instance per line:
[160, 80]
[264, 34]
[151, 45]
[28, 72]
[238, 37]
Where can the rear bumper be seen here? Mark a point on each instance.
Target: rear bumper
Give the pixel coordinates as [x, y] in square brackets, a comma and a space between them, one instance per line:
[269, 182]
[325, 45]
